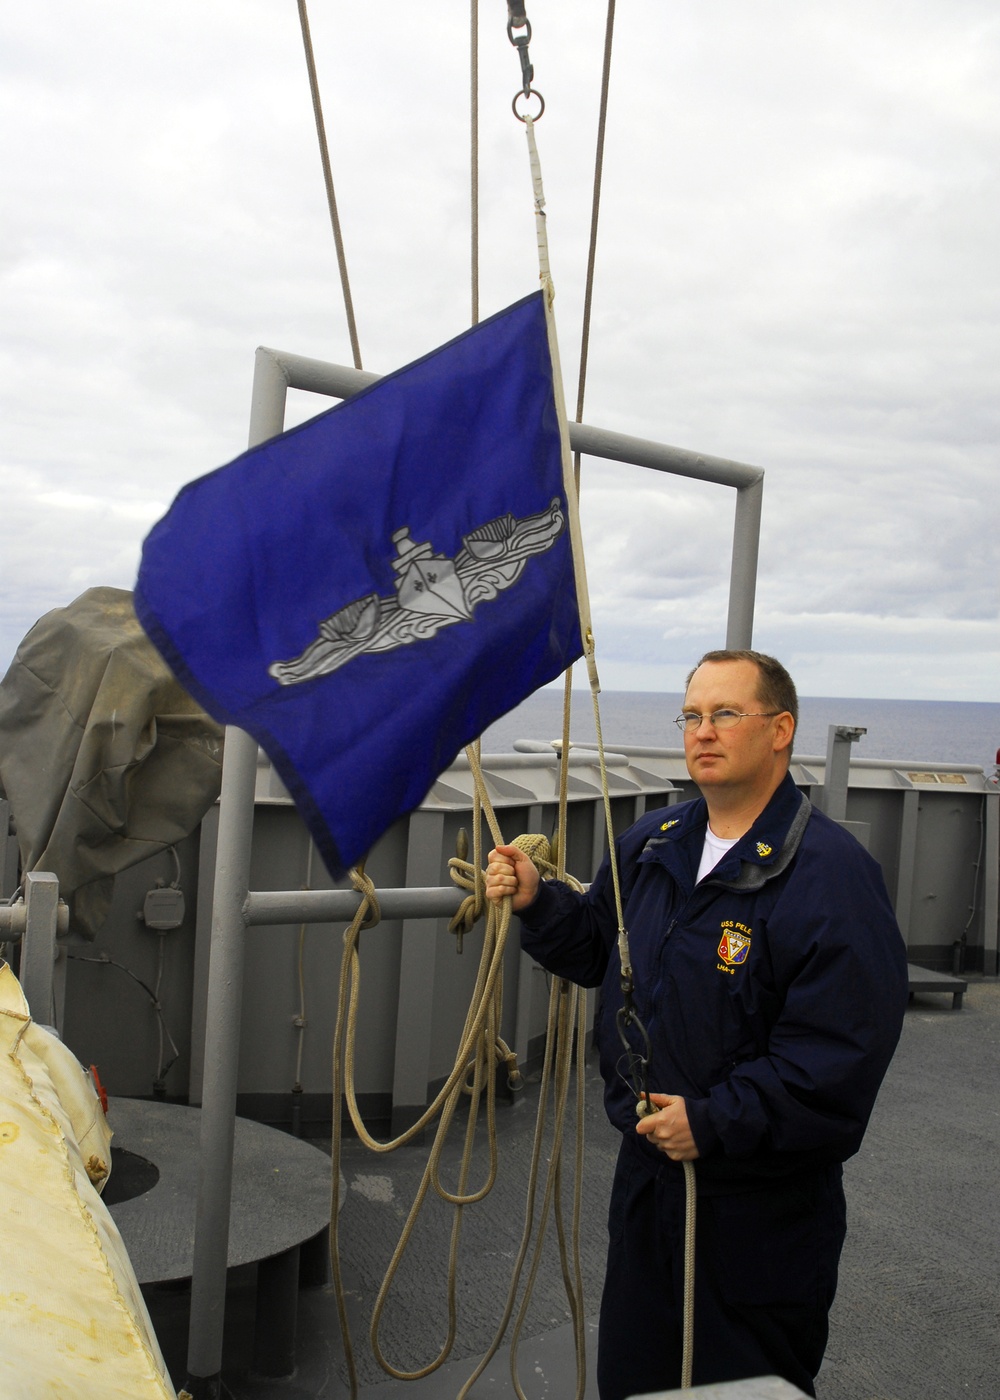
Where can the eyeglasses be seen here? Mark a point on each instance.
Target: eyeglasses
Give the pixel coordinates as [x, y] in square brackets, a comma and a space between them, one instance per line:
[688, 721]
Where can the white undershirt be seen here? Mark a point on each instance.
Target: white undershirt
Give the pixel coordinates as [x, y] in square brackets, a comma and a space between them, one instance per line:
[713, 851]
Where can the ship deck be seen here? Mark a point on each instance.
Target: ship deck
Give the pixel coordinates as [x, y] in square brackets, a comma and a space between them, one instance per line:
[916, 1313]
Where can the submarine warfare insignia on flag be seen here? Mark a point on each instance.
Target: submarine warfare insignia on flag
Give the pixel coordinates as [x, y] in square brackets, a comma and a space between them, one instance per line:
[734, 949]
[432, 591]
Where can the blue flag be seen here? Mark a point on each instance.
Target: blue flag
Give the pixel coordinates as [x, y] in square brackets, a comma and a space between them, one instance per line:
[366, 593]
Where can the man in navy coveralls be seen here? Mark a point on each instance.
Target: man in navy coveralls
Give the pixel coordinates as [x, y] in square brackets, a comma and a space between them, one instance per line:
[771, 978]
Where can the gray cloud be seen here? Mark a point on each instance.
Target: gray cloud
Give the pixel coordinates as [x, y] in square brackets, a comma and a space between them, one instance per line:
[796, 269]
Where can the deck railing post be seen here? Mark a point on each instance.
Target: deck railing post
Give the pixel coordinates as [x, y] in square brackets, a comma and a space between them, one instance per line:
[222, 1048]
[991, 883]
[225, 997]
[38, 948]
[837, 775]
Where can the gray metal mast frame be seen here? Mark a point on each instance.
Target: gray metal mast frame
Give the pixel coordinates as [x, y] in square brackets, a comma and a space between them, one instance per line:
[236, 907]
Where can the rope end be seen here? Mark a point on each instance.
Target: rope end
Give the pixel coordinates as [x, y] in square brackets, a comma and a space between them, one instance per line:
[590, 657]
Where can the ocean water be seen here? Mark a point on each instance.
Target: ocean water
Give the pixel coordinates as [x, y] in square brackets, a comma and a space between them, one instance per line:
[928, 731]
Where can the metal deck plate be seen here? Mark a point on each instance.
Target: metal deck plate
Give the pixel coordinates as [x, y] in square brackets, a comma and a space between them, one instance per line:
[281, 1189]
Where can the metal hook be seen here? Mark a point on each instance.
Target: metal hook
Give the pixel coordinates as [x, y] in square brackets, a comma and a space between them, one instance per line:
[521, 42]
[638, 1065]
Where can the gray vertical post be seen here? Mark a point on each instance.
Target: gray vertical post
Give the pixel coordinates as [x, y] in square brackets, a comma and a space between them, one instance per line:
[840, 737]
[59, 987]
[222, 1047]
[38, 949]
[276, 1315]
[207, 848]
[743, 574]
[598, 838]
[749, 484]
[907, 859]
[267, 401]
[991, 883]
[225, 997]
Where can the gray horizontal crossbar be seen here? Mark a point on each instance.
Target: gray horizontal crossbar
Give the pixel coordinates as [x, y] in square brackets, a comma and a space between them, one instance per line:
[277, 371]
[340, 381]
[340, 906]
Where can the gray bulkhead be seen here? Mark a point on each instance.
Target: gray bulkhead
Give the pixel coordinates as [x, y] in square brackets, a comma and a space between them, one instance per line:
[933, 828]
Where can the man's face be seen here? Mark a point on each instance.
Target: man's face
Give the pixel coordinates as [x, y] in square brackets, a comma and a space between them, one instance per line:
[749, 757]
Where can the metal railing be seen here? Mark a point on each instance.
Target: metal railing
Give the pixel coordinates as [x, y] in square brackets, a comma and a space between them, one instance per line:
[235, 906]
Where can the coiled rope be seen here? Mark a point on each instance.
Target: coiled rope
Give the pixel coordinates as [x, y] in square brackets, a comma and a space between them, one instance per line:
[477, 1044]
[480, 1049]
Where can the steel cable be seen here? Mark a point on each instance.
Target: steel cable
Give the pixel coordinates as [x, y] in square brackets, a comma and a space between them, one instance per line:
[331, 198]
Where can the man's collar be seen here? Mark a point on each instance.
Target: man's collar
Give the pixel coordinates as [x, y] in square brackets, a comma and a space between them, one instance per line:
[760, 845]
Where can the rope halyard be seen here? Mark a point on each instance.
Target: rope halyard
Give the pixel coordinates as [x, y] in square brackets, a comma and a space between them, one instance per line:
[690, 1214]
[331, 198]
[627, 1017]
[480, 1047]
[569, 481]
[545, 276]
[595, 210]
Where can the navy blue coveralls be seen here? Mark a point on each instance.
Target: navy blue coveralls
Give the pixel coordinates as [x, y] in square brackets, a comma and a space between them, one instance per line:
[773, 994]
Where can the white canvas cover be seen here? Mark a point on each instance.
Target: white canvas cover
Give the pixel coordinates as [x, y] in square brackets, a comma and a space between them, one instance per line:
[73, 1325]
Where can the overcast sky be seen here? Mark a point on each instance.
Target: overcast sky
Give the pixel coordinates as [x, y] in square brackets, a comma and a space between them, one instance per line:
[797, 268]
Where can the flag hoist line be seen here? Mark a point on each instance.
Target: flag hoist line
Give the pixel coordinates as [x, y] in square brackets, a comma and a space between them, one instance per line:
[627, 1015]
[480, 1046]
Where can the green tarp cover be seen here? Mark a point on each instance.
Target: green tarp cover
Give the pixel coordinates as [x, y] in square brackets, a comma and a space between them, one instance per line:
[104, 758]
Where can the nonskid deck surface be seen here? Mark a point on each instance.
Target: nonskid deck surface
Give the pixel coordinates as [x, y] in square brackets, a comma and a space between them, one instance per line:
[915, 1317]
